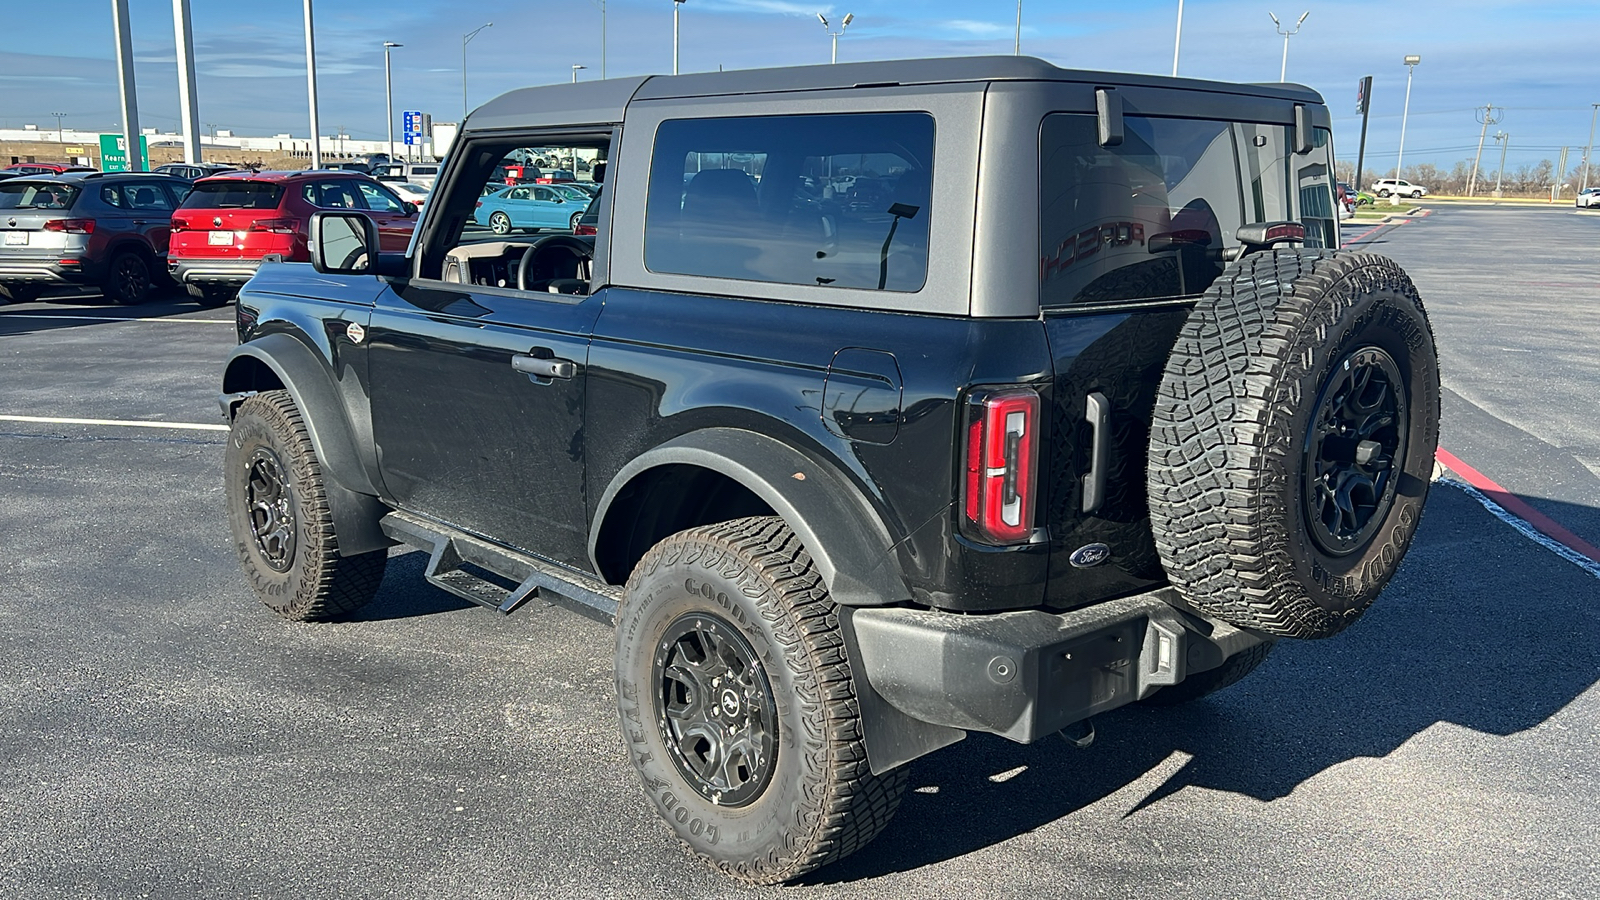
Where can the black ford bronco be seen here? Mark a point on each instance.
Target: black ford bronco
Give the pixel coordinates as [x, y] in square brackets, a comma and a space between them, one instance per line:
[890, 402]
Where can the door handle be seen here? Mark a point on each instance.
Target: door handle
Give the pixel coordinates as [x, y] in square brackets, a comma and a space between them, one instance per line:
[1098, 412]
[544, 368]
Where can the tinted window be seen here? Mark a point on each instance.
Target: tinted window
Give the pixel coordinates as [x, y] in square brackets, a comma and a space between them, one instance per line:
[112, 195]
[378, 199]
[14, 195]
[839, 200]
[331, 194]
[234, 195]
[1151, 217]
[147, 196]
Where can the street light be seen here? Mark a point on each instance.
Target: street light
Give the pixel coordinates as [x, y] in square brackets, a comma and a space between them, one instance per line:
[675, 5]
[602, 5]
[466, 39]
[1283, 74]
[850, 17]
[1411, 68]
[388, 93]
[575, 69]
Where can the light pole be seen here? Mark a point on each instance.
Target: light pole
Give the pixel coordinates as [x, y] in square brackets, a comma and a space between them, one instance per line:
[1588, 152]
[61, 134]
[1283, 74]
[675, 5]
[388, 93]
[845, 23]
[1504, 140]
[1411, 68]
[465, 40]
[575, 69]
[311, 88]
[1019, 28]
[602, 5]
[1177, 41]
[183, 37]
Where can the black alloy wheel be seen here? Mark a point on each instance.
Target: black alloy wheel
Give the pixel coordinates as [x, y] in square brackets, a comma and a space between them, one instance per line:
[715, 709]
[128, 281]
[1356, 435]
[271, 506]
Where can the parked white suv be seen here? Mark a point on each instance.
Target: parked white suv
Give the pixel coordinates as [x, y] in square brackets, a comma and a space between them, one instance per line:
[1383, 187]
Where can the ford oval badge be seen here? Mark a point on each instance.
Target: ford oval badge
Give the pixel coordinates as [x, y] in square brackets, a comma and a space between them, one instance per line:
[1090, 555]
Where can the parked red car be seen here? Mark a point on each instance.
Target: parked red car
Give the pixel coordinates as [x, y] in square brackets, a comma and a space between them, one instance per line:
[230, 223]
[44, 168]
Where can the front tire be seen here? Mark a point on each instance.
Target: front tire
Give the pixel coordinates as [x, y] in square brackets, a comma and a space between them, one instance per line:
[1383, 193]
[738, 705]
[572, 223]
[1293, 438]
[281, 521]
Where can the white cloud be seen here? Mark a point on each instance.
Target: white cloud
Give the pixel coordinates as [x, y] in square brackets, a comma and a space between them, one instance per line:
[971, 28]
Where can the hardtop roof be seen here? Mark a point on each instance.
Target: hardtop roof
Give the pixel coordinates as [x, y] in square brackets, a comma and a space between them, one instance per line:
[604, 102]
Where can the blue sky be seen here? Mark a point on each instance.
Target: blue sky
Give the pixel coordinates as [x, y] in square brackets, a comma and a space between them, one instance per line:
[1537, 60]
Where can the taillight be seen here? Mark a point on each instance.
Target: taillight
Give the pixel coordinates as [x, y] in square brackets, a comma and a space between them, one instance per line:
[180, 225]
[70, 226]
[585, 230]
[478, 205]
[276, 226]
[1002, 451]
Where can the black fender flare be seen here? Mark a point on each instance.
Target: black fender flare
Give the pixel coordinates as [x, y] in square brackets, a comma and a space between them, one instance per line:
[310, 383]
[849, 544]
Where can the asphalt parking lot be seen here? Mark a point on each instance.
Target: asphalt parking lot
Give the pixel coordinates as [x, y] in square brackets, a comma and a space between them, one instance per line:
[162, 734]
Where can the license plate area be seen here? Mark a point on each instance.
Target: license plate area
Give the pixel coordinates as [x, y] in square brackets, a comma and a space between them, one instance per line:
[220, 238]
[16, 239]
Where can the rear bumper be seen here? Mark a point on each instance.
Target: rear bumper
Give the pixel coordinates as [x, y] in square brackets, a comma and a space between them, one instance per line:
[212, 271]
[46, 272]
[1025, 675]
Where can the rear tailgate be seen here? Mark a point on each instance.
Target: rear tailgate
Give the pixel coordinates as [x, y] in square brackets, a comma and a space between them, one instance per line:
[232, 219]
[25, 208]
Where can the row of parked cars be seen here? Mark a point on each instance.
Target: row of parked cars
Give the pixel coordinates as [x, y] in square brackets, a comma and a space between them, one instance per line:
[128, 233]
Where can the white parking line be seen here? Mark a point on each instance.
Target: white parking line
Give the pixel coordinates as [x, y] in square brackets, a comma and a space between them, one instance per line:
[133, 423]
[114, 319]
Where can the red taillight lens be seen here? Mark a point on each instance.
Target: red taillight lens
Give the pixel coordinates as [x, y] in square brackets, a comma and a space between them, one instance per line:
[1001, 458]
[585, 229]
[70, 226]
[276, 226]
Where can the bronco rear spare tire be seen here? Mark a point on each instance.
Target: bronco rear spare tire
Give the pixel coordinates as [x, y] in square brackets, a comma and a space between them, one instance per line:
[1293, 439]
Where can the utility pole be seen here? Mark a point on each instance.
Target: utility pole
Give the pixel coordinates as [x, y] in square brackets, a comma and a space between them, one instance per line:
[1490, 115]
[1363, 106]
[1561, 171]
[1504, 140]
[311, 88]
[1177, 40]
[1588, 153]
[130, 95]
[187, 114]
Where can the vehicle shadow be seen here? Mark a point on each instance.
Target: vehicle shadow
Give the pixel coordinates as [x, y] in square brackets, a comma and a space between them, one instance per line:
[53, 313]
[404, 595]
[1481, 628]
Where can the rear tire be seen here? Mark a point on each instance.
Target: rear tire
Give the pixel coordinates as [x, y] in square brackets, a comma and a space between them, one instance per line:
[128, 280]
[1231, 672]
[572, 224]
[738, 705]
[211, 297]
[281, 521]
[500, 223]
[1293, 440]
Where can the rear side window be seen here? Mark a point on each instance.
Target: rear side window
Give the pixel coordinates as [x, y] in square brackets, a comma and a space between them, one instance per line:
[37, 196]
[1151, 217]
[331, 194]
[834, 200]
[234, 195]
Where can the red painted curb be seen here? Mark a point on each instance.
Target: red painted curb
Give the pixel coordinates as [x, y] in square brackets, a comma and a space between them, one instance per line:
[1517, 506]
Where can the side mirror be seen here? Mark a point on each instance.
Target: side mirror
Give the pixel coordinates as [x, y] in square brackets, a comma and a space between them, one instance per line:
[411, 209]
[343, 243]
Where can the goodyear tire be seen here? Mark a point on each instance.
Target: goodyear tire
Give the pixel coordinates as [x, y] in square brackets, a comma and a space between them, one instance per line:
[1293, 440]
[737, 704]
[281, 522]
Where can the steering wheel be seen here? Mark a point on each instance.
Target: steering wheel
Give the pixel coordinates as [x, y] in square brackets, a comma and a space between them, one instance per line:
[582, 248]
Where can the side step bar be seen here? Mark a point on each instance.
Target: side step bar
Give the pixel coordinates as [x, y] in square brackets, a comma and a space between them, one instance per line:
[453, 554]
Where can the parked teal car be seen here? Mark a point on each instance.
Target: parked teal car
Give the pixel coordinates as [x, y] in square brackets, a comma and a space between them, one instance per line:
[530, 207]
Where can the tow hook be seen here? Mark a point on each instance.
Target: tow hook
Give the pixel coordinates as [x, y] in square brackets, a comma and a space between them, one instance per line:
[1079, 734]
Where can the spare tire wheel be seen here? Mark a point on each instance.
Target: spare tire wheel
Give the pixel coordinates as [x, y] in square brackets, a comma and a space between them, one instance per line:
[1293, 438]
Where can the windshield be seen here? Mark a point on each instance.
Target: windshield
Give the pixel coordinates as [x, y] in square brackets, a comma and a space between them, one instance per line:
[25, 195]
[234, 195]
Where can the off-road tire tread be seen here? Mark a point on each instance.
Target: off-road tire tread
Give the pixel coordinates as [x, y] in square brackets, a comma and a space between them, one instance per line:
[1231, 672]
[1230, 384]
[331, 586]
[846, 805]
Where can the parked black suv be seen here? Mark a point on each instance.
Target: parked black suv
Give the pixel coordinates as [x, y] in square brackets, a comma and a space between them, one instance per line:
[890, 402]
[108, 230]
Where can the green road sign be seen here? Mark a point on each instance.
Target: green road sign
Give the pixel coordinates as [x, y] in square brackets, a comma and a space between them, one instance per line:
[114, 152]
